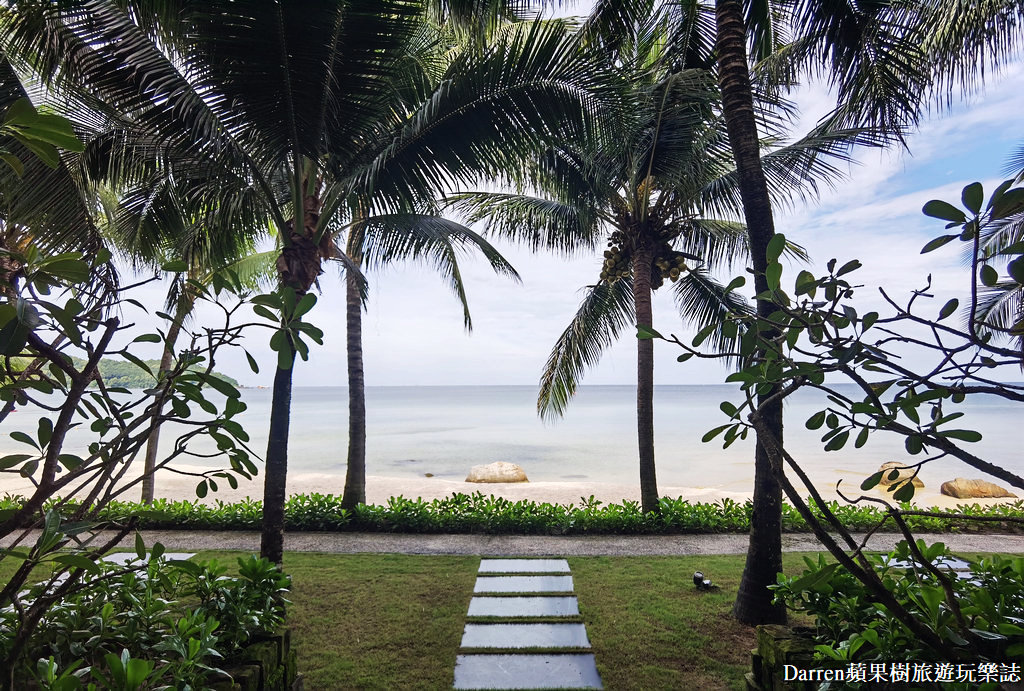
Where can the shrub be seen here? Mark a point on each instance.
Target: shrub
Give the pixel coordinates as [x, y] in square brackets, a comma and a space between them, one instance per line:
[851, 625]
[148, 625]
[478, 513]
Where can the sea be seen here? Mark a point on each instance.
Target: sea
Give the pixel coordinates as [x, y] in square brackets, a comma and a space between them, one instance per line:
[444, 430]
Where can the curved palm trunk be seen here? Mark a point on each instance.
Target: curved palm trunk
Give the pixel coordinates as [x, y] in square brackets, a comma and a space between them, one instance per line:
[642, 260]
[355, 475]
[148, 480]
[764, 556]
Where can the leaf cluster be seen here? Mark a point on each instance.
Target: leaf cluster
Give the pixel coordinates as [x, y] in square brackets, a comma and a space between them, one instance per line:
[149, 623]
[850, 626]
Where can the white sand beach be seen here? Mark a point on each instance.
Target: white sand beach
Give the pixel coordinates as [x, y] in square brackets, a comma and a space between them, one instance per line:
[380, 488]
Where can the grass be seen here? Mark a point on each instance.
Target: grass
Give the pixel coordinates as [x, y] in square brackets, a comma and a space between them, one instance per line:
[651, 629]
[370, 621]
[395, 621]
[387, 621]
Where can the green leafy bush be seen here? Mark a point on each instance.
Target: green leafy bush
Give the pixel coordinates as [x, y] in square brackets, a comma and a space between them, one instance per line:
[850, 625]
[479, 513]
[165, 624]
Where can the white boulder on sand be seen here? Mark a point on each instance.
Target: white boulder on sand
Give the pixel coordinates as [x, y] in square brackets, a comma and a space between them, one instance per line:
[962, 488]
[499, 471]
[904, 471]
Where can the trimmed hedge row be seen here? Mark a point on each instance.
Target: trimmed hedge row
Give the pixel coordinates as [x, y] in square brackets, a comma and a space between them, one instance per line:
[477, 513]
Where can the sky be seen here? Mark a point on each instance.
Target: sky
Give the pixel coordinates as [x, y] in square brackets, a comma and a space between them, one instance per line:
[413, 333]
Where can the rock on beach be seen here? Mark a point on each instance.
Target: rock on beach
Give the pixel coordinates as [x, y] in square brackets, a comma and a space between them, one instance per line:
[499, 471]
[905, 473]
[962, 488]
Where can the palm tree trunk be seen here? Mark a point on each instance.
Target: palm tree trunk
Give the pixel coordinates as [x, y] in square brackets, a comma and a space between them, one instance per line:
[148, 480]
[642, 260]
[355, 475]
[272, 537]
[764, 556]
[297, 267]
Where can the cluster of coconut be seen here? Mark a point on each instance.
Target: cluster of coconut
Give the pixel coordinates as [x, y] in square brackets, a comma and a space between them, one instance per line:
[668, 263]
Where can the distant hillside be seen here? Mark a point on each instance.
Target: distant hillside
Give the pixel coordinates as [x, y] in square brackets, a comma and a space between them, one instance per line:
[125, 374]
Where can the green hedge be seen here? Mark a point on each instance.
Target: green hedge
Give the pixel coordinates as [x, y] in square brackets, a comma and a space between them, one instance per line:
[477, 513]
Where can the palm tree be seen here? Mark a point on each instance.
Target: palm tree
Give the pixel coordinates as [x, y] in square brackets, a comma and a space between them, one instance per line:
[877, 74]
[647, 191]
[151, 227]
[285, 107]
[376, 242]
[884, 61]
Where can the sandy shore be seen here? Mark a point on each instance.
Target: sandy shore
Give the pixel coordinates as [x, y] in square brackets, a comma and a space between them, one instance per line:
[379, 489]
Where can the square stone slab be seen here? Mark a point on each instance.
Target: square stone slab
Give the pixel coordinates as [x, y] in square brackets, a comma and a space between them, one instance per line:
[524, 671]
[523, 607]
[523, 584]
[524, 566]
[525, 636]
[123, 558]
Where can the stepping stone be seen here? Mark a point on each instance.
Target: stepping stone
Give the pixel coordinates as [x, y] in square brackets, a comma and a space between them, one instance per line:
[526, 671]
[523, 584]
[525, 636]
[123, 558]
[524, 566]
[523, 607]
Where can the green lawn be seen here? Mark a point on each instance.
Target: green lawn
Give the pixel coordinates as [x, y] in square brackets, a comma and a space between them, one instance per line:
[395, 621]
[392, 621]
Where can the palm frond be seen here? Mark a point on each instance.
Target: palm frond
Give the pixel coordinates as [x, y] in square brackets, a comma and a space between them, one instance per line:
[871, 54]
[1002, 307]
[606, 310]
[717, 243]
[965, 39]
[256, 271]
[1015, 164]
[437, 241]
[702, 300]
[796, 171]
[494, 109]
[536, 222]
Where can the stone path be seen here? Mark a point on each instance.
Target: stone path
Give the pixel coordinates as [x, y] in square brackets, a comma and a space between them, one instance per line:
[534, 545]
[524, 630]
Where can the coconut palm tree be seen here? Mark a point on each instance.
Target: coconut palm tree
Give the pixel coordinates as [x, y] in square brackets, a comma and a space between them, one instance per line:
[880, 59]
[284, 106]
[885, 62]
[378, 241]
[648, 191]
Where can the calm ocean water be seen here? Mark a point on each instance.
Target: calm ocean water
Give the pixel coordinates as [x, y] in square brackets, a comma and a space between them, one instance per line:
[445, 430]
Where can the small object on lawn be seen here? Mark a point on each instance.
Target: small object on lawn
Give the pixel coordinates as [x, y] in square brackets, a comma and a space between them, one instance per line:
[703, 583]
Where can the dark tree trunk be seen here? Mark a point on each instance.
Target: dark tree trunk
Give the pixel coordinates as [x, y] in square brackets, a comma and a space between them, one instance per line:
[764, 556]
[152, 444]
[355, 476]
[272, 539]
[297, 267]
[642, 260]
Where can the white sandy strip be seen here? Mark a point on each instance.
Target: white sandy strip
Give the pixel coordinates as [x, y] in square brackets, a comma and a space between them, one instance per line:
[379, 489]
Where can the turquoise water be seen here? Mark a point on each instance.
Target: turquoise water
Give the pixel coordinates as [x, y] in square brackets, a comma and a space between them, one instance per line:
[444, 430]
